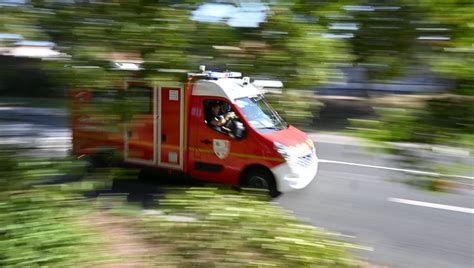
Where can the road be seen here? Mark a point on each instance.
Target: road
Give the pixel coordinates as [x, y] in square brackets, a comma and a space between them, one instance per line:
[377, 211]
[401, 226]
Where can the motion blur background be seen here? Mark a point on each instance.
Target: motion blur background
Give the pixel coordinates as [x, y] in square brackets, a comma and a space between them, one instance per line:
[405, 64]
[398, 73]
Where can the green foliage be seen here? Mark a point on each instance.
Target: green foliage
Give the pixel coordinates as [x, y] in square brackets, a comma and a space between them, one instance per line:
[298, 52]
[291, 44]
[298, 108]
[209, 227]
[40, 226]
[165, 37]
[396, 124]
[456, 57]
[48, 226]
[440, 120]
[43, 225]
[451, 116]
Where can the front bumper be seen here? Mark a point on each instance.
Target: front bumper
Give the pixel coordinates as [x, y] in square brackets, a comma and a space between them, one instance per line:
[297, 175]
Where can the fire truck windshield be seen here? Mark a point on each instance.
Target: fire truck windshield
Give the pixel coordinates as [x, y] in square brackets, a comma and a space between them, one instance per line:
[260, 114]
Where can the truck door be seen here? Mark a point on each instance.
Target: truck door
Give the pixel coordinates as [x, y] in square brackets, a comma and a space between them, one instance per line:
[217, 157]
[140, 130]
[171, 125]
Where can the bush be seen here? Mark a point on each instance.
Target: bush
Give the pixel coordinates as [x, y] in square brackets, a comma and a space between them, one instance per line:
[55, 226]
[209, 227]
[39, 226]
[297, 107]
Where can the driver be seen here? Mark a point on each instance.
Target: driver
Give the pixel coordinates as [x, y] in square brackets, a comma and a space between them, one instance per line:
[216, 119]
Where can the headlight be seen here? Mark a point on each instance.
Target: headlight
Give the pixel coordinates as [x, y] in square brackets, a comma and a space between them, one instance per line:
[282, 150]
[310, 143]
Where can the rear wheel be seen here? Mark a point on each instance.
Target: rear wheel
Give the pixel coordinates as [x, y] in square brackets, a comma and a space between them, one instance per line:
[104, 158]
[261, 179]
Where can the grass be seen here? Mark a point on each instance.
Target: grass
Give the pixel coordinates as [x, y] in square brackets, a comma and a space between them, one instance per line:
[212, 227]
[38, 228]
[39, 224]
[55, 225]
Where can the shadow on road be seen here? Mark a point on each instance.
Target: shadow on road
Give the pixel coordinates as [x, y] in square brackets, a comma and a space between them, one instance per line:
[145, 189]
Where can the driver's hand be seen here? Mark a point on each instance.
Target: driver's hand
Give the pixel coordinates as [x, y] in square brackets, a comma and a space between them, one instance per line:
[229, 115]
[226, 129]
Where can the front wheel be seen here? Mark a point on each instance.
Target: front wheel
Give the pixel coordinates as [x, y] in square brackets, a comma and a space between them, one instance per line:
[261, 179]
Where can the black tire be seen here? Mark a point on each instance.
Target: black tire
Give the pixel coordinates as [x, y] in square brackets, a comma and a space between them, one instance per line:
[105, 158]
[261, 179]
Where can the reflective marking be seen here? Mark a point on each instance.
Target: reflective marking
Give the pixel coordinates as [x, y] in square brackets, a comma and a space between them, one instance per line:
[248, 156]
[431, 205]
[396, 169]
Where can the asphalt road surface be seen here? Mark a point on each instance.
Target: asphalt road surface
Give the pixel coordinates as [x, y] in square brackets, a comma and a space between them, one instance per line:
[400, 225]
[357, 192]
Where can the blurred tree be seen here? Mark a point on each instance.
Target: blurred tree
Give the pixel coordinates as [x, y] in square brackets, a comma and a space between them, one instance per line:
[288, 44]
[453, 56]
[401, 36]
[301, 42]
[390, 38]
[384, 35]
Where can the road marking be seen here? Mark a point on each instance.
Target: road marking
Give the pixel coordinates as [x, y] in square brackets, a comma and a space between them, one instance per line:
[396, 169]
[431, 205]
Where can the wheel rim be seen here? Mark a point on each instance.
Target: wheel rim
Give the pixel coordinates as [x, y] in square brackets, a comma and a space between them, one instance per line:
[258, 182]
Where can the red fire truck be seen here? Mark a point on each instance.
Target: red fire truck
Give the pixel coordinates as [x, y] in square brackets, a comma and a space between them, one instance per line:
[166, 125]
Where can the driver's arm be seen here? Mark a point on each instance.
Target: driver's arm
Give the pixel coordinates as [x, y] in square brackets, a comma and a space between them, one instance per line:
[218, 121]
[229, 115]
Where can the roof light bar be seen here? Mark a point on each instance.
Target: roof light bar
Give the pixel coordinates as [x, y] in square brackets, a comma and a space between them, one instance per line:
[217, 75]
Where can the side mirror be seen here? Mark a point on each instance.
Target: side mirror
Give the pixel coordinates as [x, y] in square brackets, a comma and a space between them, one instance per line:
[237, 130]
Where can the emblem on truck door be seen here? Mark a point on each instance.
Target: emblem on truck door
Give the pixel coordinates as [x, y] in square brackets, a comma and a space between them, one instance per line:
[221, 148]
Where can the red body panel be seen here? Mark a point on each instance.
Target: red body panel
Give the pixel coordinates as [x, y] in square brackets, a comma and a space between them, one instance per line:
[140, 138]
[170, 125]
[204, 162]
[140, 128]
[254, 149]
[288, 137]
[92, 129]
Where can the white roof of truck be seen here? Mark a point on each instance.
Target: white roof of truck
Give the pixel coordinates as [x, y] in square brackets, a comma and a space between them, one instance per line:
[229, 88]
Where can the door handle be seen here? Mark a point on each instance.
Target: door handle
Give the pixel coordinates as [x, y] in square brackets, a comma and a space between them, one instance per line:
[206, 141]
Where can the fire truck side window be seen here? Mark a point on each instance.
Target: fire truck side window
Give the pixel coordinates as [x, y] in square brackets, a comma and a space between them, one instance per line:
[99, 102]
[139, 100]
[216, 115]
[104, 96]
